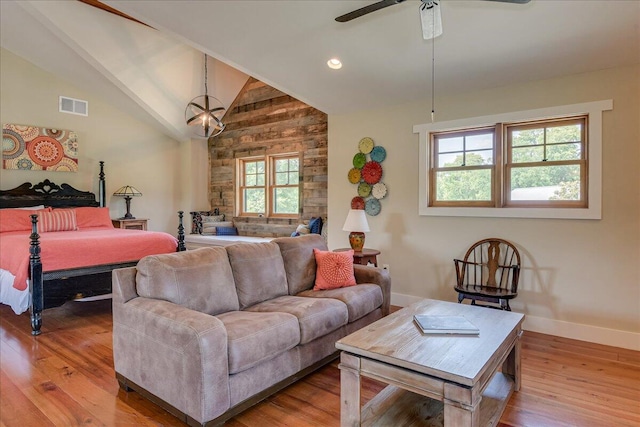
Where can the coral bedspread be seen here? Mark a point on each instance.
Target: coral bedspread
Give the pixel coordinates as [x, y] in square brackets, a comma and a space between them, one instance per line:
[83, 248]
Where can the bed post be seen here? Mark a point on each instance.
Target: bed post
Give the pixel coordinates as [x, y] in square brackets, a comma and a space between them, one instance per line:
[102, 193]
[181, 246]
[35, 279]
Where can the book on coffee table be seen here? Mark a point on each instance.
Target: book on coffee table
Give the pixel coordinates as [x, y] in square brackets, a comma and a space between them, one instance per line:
[433, 324]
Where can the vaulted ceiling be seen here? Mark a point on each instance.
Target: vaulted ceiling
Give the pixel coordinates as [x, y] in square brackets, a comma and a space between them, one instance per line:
[287, 44]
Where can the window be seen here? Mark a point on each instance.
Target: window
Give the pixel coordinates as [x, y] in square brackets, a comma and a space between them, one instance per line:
[269, 186]
[544, 163]
[463, 169]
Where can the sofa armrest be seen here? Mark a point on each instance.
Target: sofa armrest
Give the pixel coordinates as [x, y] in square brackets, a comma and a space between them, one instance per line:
[378, 276]
[174, 353]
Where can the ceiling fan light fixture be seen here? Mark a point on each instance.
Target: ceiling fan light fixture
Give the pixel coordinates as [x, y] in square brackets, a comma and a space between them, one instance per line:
[334, 64]
[431, 19]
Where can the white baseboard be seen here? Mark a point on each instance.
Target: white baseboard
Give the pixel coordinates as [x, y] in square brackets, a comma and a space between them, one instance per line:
[559, 328]
[578, 331]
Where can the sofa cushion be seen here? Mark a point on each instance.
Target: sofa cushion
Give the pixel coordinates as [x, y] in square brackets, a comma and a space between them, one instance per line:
[360, 300]
[316, 316]
[256, 337]
[335, 269]
[200, 279]
[299, 261]
[258, 271]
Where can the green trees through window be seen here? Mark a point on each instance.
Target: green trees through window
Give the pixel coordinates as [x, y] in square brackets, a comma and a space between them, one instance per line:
[269, 185]
[536, 163]
[546, 161]
[285, 194]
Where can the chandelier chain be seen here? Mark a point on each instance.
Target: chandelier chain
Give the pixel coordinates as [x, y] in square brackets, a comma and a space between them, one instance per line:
[206, 92]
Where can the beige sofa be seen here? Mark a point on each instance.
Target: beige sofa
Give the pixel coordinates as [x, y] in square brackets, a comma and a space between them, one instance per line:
[209, 332]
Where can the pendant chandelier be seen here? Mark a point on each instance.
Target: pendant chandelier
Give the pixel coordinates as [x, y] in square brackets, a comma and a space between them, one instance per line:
[204, 113]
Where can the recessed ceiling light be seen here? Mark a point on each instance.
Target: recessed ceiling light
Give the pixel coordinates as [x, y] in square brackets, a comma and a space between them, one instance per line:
[334, 63]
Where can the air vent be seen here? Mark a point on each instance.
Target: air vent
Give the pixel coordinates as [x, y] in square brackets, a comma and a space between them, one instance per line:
[74, 106]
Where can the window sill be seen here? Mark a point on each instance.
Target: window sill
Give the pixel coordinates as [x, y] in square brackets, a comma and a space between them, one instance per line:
[589, 213]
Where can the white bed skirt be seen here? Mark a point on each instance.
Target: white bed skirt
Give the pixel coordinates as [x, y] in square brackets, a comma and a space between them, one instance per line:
[18, 300]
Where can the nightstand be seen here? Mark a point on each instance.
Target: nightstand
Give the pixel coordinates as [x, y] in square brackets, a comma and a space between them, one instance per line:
[364, 257]
[130, 224]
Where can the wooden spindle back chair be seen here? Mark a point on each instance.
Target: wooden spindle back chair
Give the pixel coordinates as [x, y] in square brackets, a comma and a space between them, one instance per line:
[489, 272]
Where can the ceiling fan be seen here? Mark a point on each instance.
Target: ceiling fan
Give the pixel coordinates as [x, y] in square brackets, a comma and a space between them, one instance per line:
[429, 14]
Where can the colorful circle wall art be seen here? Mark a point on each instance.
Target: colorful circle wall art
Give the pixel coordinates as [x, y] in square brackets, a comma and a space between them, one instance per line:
[38, 148]
[366, 174]
[354, 175]
[357, 203]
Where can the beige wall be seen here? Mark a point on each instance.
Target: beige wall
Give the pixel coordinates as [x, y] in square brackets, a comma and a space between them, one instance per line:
[581, 278]
[134, 153]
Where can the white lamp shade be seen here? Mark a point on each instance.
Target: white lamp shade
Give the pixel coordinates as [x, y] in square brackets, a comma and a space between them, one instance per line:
[356, 221]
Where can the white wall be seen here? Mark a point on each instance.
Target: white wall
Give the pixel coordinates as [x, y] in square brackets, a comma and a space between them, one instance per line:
[134, 153]
[580, 279]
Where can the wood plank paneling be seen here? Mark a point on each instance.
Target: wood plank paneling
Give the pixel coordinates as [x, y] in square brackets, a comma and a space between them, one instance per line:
[265, 121]
[65, 377]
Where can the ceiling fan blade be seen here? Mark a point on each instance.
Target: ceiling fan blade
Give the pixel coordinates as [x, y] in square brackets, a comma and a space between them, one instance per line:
[367, 9]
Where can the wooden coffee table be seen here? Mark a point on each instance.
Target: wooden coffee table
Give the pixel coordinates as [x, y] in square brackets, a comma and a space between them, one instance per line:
[444, 380]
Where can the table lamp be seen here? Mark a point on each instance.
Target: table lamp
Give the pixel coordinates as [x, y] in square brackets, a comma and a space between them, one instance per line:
[128, 192]
[356, 223]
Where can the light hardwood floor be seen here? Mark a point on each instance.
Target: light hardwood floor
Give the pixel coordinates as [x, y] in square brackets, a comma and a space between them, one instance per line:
[65, 377]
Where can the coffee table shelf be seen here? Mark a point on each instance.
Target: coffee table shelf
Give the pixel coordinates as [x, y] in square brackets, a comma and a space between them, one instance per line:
[396, 406]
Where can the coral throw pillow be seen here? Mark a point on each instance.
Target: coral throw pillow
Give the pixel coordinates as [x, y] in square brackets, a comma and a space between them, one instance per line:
[88, 217]
[16, 219]
[57, 220]
[335, 269]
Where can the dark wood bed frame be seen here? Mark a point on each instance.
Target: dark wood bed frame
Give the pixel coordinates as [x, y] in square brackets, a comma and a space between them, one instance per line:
[69, 284]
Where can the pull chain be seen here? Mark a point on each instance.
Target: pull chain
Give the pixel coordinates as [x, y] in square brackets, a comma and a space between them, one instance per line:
[433, 72]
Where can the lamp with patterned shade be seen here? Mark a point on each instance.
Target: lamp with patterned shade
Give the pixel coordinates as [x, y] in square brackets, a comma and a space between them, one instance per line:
[356, 223]
[127, 192]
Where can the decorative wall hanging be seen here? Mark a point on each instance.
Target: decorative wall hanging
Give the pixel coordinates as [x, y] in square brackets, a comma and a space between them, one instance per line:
[36, 148]
[367, 175]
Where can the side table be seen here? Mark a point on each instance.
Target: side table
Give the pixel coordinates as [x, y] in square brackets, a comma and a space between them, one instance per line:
[130, 224]
[364, 257]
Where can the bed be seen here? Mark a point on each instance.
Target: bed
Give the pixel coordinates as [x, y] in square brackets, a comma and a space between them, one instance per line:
[49, 251]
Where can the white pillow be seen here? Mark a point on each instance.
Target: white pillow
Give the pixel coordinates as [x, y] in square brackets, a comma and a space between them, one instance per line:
[31, 208]
[212, 218]
[303, 229]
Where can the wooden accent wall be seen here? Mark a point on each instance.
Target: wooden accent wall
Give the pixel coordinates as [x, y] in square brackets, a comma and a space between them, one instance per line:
[264, 120]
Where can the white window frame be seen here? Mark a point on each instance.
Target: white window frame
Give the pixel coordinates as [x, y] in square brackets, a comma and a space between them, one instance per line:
[594, 211]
